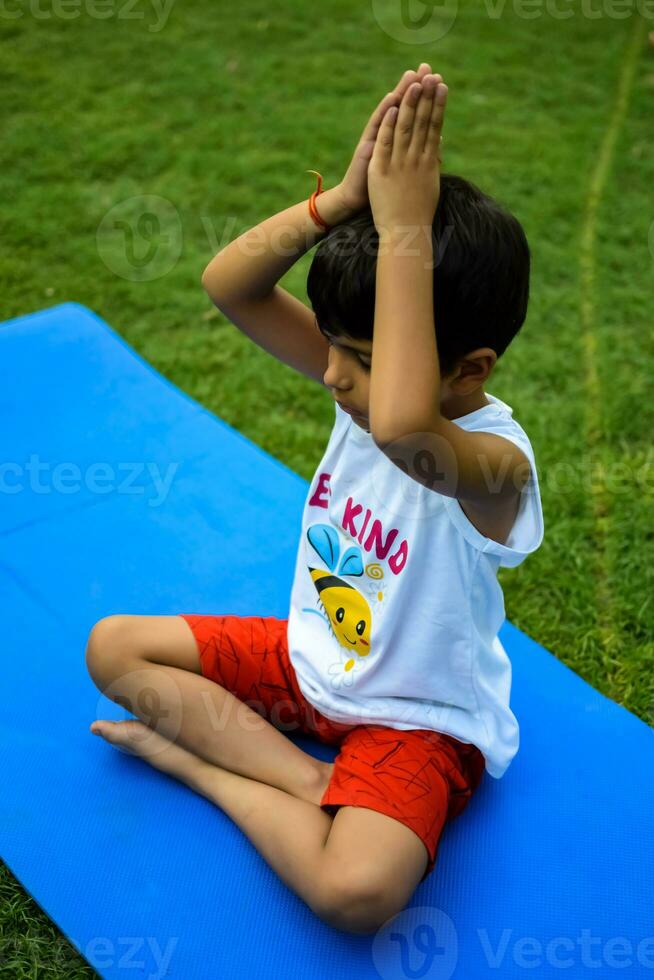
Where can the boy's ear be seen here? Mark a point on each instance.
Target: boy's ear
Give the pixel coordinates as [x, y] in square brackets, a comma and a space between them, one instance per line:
[472, 370]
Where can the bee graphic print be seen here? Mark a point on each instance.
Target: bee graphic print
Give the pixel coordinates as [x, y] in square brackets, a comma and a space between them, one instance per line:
[342, 605]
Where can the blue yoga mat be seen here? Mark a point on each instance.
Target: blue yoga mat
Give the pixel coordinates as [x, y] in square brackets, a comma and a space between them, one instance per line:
[120, 493]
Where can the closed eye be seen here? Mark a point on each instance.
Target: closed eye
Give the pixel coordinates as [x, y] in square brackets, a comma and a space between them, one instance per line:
[366, 364]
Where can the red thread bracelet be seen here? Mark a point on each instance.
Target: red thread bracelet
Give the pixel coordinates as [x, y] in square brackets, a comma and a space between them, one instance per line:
[312, 202]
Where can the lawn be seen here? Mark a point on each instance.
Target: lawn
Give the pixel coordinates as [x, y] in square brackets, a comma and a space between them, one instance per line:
[220, 113]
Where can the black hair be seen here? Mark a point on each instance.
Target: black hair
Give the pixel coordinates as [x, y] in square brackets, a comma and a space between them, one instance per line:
[481, 274]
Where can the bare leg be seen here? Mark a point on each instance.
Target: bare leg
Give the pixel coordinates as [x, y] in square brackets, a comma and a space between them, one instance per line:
[289, 833]
[200, 715]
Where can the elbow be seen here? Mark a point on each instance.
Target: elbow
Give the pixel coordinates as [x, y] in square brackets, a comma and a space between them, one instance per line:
[211, 274]
[205, 279]
[378, 430]
[210, 285]
[407, 431]
[385, 439]
[384, 432]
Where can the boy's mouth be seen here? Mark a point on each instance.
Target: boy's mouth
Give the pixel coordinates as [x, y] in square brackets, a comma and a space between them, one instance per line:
[349, 410]
[361, 420]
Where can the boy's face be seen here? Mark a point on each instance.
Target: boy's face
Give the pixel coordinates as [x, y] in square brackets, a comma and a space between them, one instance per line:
[348, 376]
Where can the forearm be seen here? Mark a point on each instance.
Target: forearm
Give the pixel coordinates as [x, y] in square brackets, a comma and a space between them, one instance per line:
[251, 265]
[405, 372]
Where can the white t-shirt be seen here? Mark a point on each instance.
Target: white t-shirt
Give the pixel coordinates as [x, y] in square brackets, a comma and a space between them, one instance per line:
[396, 606]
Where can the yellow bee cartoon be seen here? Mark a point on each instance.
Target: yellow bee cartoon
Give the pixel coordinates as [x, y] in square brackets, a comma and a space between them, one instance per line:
[347, 610]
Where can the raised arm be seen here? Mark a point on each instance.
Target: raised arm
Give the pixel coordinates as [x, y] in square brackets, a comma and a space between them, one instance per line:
[250, 266]
[242, 279]
[242, 282]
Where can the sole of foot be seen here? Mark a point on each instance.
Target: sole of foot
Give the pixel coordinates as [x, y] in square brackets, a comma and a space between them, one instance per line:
[136, 738]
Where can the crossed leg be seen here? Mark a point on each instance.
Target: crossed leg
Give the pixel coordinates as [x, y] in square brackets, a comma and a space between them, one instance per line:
[150, 665]
[355, 870]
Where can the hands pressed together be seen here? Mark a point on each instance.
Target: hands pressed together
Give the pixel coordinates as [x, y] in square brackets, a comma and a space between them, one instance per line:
[396, 165]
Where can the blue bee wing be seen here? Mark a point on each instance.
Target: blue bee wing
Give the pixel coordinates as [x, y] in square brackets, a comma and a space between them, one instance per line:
[351, 563]
[324, 540]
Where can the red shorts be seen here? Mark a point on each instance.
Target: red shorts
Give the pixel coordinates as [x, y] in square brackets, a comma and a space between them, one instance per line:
[421, 778]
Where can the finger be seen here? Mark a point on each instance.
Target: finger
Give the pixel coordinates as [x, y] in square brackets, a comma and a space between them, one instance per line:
[391, 98]
[432, 145]
[422, 116]
[384, 142]
[394, 97]
[409, 77]
[425, 70]
[405, 117]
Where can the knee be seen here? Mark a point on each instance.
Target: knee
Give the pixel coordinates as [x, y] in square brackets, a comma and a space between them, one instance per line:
[353, 901]
[106, 648]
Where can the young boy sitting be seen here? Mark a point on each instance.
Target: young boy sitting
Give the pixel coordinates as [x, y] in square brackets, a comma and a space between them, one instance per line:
[427, 485]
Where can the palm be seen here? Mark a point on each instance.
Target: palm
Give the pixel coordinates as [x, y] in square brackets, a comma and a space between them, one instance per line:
[356, 176]
[355, 182]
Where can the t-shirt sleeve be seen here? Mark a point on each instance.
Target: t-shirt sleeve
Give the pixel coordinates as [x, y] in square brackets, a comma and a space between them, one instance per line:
[528, 529]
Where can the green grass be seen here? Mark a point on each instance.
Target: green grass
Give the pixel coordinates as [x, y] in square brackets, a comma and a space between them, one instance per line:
[221, 117]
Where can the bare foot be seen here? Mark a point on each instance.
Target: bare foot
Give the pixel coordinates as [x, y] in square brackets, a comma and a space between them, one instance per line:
[136, 738]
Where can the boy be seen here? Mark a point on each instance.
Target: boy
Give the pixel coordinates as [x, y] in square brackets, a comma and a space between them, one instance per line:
[426, 486]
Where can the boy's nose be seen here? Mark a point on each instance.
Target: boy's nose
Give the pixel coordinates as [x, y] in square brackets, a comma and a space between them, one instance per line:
[339, 391]
[338, 374]
[335, 380]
